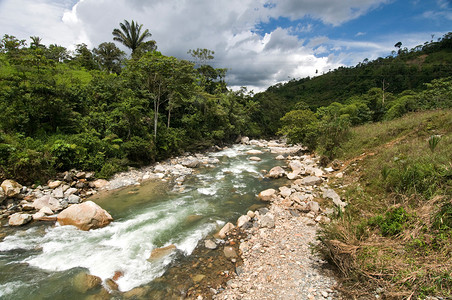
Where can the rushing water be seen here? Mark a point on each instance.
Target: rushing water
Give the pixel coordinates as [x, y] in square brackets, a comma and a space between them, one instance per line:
[39, 262]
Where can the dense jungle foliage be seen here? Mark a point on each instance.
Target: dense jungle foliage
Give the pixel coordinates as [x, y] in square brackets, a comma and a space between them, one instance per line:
[98, 110]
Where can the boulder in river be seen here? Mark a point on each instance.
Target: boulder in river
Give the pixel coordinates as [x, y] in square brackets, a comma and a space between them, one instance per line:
[267, 195]
[85, 216]
[84, 282]
[159, 253]
[11, 188]
[276, 172]
[191, 162]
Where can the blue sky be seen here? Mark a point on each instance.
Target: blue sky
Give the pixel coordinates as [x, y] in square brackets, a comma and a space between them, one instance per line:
[261, 42]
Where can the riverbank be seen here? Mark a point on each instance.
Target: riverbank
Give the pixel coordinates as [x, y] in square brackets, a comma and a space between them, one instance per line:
[207, 271]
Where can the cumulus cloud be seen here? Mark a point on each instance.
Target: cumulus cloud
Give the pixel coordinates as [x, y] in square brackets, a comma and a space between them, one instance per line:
[227, 27]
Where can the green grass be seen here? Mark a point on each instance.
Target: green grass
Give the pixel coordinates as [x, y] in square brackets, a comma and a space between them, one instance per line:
[396, 233]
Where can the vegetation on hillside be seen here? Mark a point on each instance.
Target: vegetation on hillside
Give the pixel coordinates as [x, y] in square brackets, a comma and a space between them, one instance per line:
[403, 70]
[98, 110]
[394, 237]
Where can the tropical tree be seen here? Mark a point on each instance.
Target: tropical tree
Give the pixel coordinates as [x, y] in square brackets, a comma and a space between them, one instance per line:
[109, 57]
[130, 35]
[36, 42]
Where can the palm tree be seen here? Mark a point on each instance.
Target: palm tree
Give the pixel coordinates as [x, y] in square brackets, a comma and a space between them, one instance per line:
[36, 42]
[130, 35]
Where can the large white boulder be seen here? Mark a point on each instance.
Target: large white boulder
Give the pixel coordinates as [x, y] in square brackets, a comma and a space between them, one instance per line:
[85, 216]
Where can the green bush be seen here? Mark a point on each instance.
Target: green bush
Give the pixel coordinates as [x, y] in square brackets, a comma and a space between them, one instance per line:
[392, 223]
[139, 150]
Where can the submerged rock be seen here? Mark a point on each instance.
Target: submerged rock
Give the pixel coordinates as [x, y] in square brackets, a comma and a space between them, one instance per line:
[159, 253]
[229, 252]
[85, 216]
[84, 282]
[209, 244]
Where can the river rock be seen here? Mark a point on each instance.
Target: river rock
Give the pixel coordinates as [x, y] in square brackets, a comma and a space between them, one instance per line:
[85, 216]
[54, 184]
[70, 191]
[83, 282]
[229, 252]
[255, 158]
[11, 188]
[38, 216]
[285, 191]
[100, 183]
[2, 195]
[46, 210]
[267, 195]
[280, 157]
[226, 228]
[19, 219]
[267, 220]
[323, 219]
[73, 199]
[159, 253]
[191, 162]
[250, 214]
[47, 201]
[311, 180]
[295, 165]
[253, 152]
[245, 140]
[58, 192]
[209, 244]
[339, 175]
[276, 172]
[313, 206]
[331, 194]
[243, 220]
[198, 278]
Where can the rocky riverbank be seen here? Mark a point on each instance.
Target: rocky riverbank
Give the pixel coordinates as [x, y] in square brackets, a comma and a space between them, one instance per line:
[271, 240]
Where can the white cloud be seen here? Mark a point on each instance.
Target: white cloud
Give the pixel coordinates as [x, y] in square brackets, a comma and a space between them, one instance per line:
[328, 11]
[227, 27]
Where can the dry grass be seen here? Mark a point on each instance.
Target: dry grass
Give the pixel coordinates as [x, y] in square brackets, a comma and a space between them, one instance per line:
[389, 241]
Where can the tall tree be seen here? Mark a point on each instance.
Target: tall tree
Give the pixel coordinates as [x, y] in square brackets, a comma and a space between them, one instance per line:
[36, 42]
[130, 35]
[109, 57]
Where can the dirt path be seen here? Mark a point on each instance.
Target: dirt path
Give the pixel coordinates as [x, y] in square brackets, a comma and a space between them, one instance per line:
[279, 263]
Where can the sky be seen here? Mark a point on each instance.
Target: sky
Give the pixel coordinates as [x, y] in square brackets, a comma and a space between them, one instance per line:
[260, 42]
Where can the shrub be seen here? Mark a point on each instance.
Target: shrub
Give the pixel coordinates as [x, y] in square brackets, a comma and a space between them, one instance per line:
[392, 223]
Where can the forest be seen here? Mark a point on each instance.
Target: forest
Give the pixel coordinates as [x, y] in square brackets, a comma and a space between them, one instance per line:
[102, 110]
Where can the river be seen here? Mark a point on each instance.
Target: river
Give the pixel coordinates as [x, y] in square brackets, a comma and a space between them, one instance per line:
[41, 260]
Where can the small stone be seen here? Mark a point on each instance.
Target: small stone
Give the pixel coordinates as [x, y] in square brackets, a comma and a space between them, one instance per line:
[198, 278]
[159, 253]
[209, 244]
[250, 214]
[255, 158]
[54, 184]
[73, 199]
[243, 220]
[280, 157]
[226, 228]
[229, 252]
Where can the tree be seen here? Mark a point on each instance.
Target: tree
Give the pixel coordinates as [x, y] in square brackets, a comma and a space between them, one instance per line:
[130, 35]
[36, 42]
[85, 57]
[108, 57]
